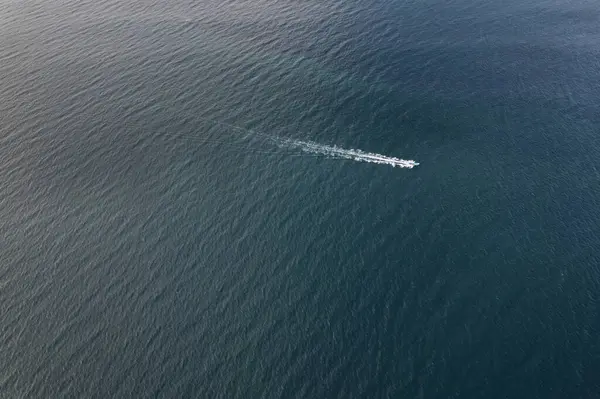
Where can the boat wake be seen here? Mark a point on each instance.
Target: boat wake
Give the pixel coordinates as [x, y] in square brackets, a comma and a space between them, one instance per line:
[321, 149]
[337, 152]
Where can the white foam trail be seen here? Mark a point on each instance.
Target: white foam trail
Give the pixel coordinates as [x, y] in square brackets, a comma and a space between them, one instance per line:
[337, 152]
[320, 149]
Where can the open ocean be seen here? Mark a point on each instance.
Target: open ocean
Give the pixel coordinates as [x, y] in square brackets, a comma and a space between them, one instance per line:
[197, 199]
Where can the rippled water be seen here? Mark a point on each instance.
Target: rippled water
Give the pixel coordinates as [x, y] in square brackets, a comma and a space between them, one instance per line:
[155, 243]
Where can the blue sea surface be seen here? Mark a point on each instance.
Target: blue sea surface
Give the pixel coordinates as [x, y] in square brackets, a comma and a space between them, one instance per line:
[160, 237]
